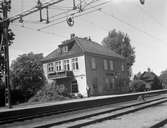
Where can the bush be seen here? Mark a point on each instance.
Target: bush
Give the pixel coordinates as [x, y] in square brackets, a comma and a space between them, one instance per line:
[137, 86]
[48, 93]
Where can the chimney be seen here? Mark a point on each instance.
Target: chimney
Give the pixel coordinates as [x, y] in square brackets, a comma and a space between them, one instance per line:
[72, 35]
[148, 69]
[89, 38]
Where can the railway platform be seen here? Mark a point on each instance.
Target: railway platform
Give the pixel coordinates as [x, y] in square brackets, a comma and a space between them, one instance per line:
[66, 116]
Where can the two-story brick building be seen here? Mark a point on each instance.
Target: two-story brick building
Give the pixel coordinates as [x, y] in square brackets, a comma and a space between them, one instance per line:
[82, 66]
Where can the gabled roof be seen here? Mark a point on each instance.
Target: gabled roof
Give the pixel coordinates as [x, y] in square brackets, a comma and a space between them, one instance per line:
[148, 76]
[86, 46]
[93, 47]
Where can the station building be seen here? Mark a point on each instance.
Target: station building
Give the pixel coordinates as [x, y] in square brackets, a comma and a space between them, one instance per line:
[82, 66]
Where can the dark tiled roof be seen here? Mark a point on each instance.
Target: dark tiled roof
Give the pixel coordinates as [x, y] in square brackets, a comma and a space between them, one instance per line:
[52, 55]
[93, 47]
[148, 76]
[87, 46]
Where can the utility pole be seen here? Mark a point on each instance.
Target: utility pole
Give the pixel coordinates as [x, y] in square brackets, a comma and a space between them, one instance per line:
[5, 9]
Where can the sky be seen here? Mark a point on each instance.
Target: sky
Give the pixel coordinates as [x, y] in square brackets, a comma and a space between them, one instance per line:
[146, 26]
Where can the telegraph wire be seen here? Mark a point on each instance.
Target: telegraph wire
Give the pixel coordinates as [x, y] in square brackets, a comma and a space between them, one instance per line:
[76, 12]
[45, 32]
[61, 13]
[56, 7]
[97, 26]
[91, 2]
[152, 18]
[132, 26]
[75, 16]
[83, 13]
[32, 10]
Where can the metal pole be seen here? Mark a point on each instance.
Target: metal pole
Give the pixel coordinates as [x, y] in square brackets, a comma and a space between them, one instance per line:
[6, 43]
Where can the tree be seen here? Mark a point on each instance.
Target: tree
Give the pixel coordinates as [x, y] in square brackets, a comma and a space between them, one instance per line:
[27, 74]
[163, 78]
[137, 86]
[2, 47]
[151, 79]
[120, 43]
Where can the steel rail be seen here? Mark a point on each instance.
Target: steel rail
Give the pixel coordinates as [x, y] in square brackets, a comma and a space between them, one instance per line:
[159, 124]
[125, 112]
[69, 106]
[91, 115]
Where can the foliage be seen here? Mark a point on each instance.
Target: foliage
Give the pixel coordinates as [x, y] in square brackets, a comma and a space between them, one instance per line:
[48, 93]
[120, 43]
[2, 47]
[137, 86]
[147, 79]
[2, 92]
[152, 79]
[27, 74]
[163, 78]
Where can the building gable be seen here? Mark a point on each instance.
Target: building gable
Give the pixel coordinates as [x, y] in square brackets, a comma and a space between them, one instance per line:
[67, 49]
[78, 46]
[90, 46]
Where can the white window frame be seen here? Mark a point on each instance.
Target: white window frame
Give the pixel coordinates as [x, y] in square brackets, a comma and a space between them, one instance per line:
[107, 82]
[105, 63]
[74, 85]
[66, 65]
[50, 67]
[65, 48]
[111, 65]
[123, 67]
[93, 63]
[74, 63]
[58, 65]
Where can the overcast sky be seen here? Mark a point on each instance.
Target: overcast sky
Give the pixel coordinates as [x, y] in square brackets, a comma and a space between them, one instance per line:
[146, 26]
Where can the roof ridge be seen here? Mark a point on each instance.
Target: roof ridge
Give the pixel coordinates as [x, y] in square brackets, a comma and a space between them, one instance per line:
[78, 42]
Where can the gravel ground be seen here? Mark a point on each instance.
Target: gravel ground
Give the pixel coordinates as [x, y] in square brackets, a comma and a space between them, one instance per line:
[140, 119]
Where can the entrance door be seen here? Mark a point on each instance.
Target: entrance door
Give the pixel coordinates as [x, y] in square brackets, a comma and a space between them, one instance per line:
[74, 87]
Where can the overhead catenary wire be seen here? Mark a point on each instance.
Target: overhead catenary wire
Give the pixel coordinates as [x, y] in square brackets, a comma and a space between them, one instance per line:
[45, 32]
[70, 10]
[32, 10]
[150, 16]
[97, 26]
[64, 20]
[132, 26]
[74, 14]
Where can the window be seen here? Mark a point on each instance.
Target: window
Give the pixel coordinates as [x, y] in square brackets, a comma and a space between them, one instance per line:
[111, 65]
[66, 65]
[75, 65]
[105, 65]
[58, 65]
[50, 67]
[122, 67]
[107, 82]
[93, 63]
[65, 49]
[74, 87]
[112, 83]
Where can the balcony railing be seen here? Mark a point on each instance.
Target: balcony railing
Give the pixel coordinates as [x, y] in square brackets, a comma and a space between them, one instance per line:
[60, 75]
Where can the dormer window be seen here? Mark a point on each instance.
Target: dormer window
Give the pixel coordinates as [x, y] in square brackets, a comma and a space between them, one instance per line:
[65, 48]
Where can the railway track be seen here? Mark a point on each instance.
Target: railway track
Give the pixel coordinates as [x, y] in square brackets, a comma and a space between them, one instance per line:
[84, 119]
[160, 124]
[93, 118]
